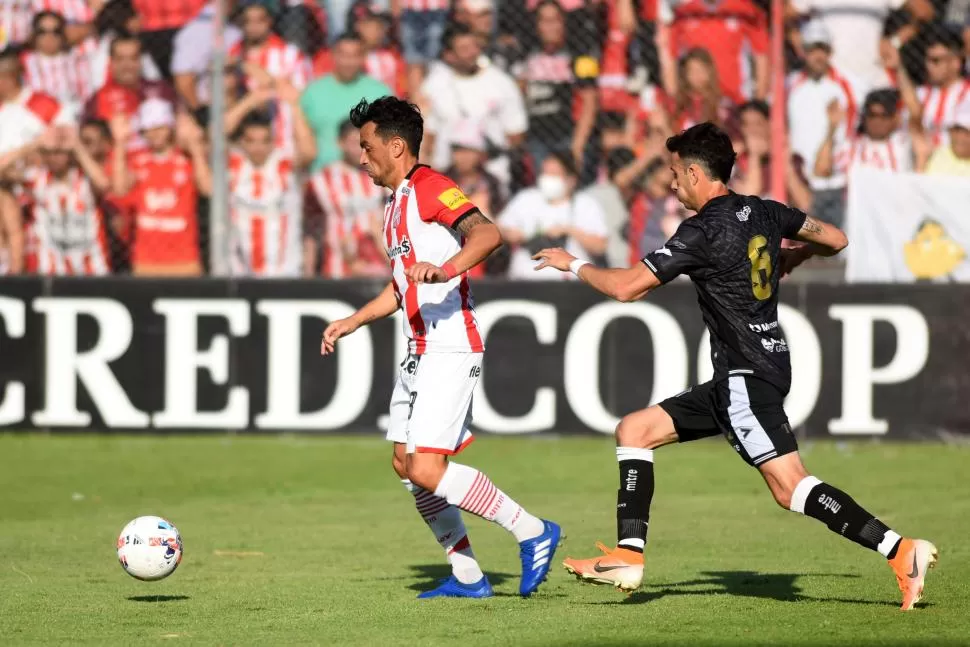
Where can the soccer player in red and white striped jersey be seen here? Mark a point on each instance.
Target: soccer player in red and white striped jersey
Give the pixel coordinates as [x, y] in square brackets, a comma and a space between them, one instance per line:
[264, 203]
[68, 222]
[434, 234]
[261, 48]
[351, 207]
[52, 67]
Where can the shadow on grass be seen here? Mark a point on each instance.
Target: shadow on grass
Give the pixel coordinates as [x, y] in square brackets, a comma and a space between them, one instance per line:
[158, 598]
[782, 587]
[431, 574]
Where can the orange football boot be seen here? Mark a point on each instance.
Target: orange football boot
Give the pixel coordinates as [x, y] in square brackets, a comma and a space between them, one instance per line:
[913, 558]
[619, 567]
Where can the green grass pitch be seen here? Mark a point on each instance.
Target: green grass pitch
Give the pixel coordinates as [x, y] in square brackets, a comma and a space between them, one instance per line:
[295, 540]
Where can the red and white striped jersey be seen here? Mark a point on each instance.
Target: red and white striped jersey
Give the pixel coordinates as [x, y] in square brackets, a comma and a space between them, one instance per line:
[425, 5]
[66, 76]
[264, 204]
[16, 16]
[68, 227]
[350, 201]
[939, 107]
[281, 60]
[418, 227]
[893, 154]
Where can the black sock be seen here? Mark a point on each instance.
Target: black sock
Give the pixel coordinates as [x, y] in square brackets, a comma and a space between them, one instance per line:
[634, 496]
[844, 516]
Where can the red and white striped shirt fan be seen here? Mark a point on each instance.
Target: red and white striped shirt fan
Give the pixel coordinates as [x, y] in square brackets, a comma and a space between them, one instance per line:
[939, 107]
[66, 76]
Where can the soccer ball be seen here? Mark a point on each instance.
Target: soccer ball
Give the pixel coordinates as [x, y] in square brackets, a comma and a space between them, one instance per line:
[150, 548]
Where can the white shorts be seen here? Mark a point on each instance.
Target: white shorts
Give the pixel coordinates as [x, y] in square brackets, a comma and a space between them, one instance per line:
[431, 407]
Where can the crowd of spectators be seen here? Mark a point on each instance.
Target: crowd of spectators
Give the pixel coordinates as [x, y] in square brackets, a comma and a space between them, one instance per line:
[550, 114]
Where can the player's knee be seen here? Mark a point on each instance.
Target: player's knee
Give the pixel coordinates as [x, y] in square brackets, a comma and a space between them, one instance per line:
[640, 429]
[782, 496]
[425, 474]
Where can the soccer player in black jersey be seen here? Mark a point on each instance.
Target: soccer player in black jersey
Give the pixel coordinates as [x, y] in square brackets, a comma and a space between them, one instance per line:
[731, 250]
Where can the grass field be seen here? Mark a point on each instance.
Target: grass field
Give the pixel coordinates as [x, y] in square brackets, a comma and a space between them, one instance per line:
[313, 541]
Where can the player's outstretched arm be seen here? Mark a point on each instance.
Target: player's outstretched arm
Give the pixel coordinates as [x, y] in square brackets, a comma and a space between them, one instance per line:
[622, 284]
[823, 240]
[481, 238]
[383, 305]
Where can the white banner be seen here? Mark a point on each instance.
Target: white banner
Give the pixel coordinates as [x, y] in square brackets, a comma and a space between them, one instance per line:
[904, 227]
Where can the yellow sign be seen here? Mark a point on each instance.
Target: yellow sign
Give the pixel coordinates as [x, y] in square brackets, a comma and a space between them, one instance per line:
[453, 198]
[932, 253]
[586, 67]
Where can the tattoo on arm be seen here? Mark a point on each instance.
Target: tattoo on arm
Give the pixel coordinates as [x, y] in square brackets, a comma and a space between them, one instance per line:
[811, 226]
[469, 222]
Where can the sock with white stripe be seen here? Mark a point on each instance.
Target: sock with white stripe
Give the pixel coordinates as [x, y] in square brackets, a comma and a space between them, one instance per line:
[445, 522]
[634, 497]
[843, 515]
[474, 492]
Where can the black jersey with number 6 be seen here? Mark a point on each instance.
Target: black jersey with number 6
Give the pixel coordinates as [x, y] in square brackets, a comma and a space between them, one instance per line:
[730, 250]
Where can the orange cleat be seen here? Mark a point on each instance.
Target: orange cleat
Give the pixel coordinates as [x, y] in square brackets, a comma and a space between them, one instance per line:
[913, 558]
[620, 567]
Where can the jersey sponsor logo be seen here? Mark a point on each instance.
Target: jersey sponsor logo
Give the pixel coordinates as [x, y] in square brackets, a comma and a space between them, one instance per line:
[676, 243]
[773, 345]
[453, 198]
[475, 372]
[763, 327]
[586, 67]
[401, 249]
[744, 213]
[160, 200]
[664, 251]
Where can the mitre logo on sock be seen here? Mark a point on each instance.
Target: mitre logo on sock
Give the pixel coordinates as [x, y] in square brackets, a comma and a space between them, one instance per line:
[829, 503]
[631, 480]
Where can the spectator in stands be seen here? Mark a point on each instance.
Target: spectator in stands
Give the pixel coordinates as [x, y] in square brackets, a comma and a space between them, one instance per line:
[552, 215]
[731, 30]
[51, 66]
[381, 61]
[699, 96]
[753, 169]
[126, 89]
[117, 18]
[17, 16]
[193, 48]
[934, 105]
[811, 91]
[24, 116]
[880, 143]
[422, 24]
[555, 81]
[327, 101]
[464, 94]
[343, 236]
[468, 157]
[264, 205]
[159, 185]
[953, 159]
[856, 29]
[161, 20]
[68, 222]
[95, 136]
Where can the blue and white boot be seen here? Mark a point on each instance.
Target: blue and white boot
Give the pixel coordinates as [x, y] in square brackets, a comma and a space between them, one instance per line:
[536, 555]
[452, 588]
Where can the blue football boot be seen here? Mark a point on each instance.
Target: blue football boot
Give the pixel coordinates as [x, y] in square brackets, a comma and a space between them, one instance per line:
[452, 588]
[536, 555]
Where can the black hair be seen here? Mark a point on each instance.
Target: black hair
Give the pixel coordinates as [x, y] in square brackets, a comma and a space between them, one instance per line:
[41, 15]
[393, 117]
[452, 32]
[618, 159]
[611, 120]
[566, 161]
[113, 17]
[887, 98]
[707, 146]
[346, 126]
[11, 54]
[100, 124]
[347, 37]
[758, 105]
[122, 38]
[549, 3]
[255, 120]
[940, 35]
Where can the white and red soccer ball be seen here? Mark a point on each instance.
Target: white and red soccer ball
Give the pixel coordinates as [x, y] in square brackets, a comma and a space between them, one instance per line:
[150, 548]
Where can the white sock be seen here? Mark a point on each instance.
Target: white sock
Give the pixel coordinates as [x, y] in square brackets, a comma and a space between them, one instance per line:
[474, 492]
[445, 522]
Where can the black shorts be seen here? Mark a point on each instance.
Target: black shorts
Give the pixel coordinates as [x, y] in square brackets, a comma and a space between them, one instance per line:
[749, 412]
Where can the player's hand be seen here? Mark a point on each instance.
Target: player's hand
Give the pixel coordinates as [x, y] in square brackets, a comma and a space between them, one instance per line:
[556, 257]
[792, 257]
[426, 273]
[336, 330]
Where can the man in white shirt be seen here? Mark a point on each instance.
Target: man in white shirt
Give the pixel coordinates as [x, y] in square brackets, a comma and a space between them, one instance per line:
[856, 27]
[464, 92]
[810, 92]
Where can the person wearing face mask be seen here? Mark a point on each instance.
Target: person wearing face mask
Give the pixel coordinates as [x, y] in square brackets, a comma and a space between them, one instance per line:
[551, 215]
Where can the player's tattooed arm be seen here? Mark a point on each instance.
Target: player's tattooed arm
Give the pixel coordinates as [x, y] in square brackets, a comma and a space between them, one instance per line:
[469, 222]
[824, 239]
[481, 238]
